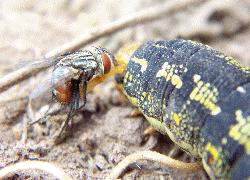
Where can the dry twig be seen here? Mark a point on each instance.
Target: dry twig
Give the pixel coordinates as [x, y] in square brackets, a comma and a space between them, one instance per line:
[141, 17]
[152, 156]
[41, 165]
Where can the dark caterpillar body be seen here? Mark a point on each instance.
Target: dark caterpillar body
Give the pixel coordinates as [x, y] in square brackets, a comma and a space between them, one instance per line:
[197, 96]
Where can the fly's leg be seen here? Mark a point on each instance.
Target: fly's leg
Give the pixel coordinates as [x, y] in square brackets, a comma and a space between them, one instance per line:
[65, 124]
[87, 75]
[84, 91]
[46, 113]
[152, 156]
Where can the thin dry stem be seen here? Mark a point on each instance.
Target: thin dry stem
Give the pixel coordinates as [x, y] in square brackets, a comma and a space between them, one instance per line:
[152, 156]
[141, 17]
[40, 165]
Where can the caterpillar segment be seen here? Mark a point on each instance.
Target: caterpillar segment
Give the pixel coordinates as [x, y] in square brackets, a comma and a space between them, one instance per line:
[197, 96]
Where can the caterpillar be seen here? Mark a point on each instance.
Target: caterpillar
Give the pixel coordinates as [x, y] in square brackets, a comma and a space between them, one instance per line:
[197, 96]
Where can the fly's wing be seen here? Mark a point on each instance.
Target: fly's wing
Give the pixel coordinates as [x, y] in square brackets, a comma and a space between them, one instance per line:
[37, 63]
[53, 80]
[41, 62]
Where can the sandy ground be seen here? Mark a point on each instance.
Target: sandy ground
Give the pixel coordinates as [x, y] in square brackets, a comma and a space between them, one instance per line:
[103, 133]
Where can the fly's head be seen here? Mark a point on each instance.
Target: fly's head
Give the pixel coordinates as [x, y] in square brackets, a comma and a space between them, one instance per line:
[105, 59]
[92, 66]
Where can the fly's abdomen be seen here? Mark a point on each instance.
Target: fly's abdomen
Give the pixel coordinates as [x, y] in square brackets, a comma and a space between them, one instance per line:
[186, 90]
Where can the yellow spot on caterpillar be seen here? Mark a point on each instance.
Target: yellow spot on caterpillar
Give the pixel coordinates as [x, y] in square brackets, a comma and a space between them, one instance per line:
[130, 78]
[142, 62]
[213, 151]
[167, 72]
[126, 77]
[176, 119]
[241, 131]
[224, 140]
[194, 92]
[213, 108]
[162, 73]
[199, 84]
[176, 81]
[205, 95]
[149, 97]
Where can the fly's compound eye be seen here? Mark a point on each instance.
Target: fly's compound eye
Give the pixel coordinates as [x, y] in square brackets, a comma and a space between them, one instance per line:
[106, 58]
[106, 61]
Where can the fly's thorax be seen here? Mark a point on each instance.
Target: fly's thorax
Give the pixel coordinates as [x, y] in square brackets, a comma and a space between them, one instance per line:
[66, 60]
[63, 73]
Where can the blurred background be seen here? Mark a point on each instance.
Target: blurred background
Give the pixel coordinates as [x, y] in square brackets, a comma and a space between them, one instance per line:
[30, 28]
